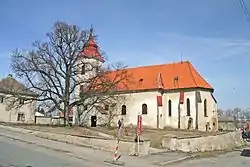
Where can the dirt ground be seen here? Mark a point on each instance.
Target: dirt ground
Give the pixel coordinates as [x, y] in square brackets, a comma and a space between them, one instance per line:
[154, 135]
[78, 131]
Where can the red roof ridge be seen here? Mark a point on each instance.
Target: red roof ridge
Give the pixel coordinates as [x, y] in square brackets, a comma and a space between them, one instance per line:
[156, 65]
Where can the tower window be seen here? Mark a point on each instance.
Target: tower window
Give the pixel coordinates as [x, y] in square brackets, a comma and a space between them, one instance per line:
[106, 107]
[83, 70]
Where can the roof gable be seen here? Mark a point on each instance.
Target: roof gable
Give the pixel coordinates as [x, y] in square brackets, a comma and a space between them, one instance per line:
[10, 85]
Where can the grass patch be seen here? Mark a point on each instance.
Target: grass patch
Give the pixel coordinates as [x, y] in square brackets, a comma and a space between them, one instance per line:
[129, 133]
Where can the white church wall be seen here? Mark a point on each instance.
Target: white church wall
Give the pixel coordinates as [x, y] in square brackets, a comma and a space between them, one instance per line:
[212, 117]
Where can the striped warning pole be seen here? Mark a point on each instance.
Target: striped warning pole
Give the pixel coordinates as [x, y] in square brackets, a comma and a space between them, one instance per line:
[117, 156]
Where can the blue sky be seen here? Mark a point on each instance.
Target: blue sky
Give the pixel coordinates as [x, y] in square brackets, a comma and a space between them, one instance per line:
[213, 34]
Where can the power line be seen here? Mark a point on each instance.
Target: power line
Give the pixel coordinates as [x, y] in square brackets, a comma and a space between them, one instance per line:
[245, 9]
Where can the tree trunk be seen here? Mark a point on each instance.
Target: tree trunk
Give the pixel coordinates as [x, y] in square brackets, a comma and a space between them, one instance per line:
[67, 97]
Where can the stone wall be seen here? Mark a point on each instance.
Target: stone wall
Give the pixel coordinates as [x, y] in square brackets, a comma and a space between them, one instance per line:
[201, 144]
[43, 120]
[227, 126]
[96, 142]
[125, 147]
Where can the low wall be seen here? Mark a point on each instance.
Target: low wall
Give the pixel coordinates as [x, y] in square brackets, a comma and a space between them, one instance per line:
[42, 120]
[101, 143]
[126, 147]
[201, 144]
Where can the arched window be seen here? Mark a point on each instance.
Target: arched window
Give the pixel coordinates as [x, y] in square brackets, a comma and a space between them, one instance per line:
[205, 108]
[144, 109]
[169, 108]
[188, 107]
[124, 109]
[83, 69]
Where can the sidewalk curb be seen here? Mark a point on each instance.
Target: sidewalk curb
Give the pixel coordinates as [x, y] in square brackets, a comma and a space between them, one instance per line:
[176, 160]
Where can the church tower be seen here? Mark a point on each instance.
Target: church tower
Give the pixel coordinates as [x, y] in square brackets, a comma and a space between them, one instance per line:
[89, 61]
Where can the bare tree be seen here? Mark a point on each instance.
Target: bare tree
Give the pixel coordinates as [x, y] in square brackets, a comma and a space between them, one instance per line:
[221, 112]
[111, 108]
[51, 69]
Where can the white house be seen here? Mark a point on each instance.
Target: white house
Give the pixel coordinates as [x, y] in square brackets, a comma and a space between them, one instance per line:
[21, 110]
[167, 95]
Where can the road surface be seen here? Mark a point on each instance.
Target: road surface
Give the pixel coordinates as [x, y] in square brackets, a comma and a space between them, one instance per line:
[23, 150]
[17, 153]
[232, 159]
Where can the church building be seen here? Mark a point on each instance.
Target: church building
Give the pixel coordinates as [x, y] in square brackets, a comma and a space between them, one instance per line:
[166, 95]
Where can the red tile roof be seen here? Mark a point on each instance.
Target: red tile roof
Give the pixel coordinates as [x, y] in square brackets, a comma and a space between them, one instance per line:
[91, 49]
[165, 76]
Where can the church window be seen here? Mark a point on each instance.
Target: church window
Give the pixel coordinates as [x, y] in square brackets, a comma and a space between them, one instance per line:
[205, 108]
[188, 107]
[144, 109]
[124, 110]
[169, 108]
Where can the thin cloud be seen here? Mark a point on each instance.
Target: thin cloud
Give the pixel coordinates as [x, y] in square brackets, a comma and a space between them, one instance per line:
[210, 49]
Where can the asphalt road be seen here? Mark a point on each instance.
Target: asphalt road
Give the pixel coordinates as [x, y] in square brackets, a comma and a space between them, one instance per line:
[232, 159]
[23, 150]
[15, 153]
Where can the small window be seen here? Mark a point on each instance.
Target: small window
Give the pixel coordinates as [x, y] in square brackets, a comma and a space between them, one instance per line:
[144, 109]
[188, 107]
[21, 101]
[70, 119]
[83, 69]
[97, 69]
[81, 90]
[169, 108]
[205, 108]
[20, 117]
[106, 107]
[1, 99]
[124, 110]
[85, 107]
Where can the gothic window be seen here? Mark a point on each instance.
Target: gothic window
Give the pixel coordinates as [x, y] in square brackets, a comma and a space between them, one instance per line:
[169, 108]
[124, 110]
[144, 109]
[188, 107]
[205, 108]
